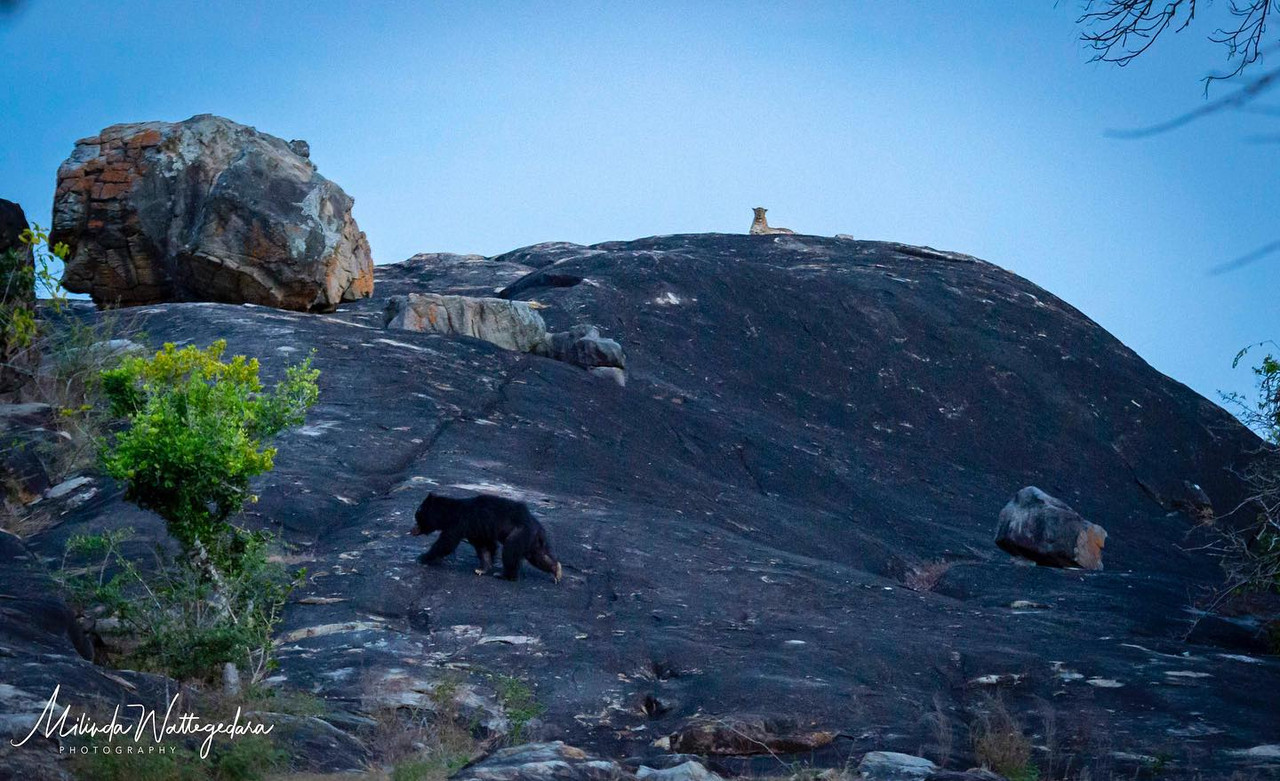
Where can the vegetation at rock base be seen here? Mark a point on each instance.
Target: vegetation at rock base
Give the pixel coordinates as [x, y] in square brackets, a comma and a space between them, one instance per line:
[420, 743]
[249, 758]
[1248, 540]
[519, 703]
[193, 439]
[1000, 744]
[21, 283]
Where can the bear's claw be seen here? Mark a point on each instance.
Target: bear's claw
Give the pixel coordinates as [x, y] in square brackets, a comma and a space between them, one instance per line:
[559, 572]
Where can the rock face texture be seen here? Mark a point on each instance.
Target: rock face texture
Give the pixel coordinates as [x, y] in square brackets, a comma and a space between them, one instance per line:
[1037, 526]
[803, 418]
[206, 210]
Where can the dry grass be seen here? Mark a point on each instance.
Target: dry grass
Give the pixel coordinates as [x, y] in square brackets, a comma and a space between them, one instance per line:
[1000, 744]
[74, 352]
[942, 728]
[925, 576]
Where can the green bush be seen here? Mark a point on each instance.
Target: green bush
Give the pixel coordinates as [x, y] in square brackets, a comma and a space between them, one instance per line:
[193, 439]
[196, 426]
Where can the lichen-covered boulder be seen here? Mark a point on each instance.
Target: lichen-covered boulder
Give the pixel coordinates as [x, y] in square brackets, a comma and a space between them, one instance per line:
[1039, 527]
[206, 210]
[512, 325]
[893, 766]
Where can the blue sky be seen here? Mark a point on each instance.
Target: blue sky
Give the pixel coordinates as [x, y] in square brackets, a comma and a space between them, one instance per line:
[485, 126]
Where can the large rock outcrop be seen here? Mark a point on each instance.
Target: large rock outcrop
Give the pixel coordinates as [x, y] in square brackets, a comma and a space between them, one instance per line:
[802, 414]
[206, 210]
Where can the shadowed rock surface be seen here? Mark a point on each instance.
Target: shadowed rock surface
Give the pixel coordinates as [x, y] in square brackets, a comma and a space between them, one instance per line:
[206, 210]
[805, 421]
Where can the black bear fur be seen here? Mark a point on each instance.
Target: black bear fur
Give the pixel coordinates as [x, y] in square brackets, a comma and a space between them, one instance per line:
[486, 522]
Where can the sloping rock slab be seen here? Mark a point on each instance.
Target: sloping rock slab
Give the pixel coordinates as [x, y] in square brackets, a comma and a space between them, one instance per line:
[799, 416]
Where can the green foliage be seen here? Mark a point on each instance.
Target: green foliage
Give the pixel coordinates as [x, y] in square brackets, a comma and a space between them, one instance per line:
[518, 702]
[195, 426]
[195, 436]
[21, 284]
[189, 625]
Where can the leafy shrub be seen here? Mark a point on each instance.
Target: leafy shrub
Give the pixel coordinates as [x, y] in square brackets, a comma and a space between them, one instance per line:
[194, 439]
[1250, 553]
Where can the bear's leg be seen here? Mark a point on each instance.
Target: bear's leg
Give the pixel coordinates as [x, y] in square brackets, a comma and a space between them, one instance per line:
[485, 554]
[546, 562]
[514, 550]
[444, 545]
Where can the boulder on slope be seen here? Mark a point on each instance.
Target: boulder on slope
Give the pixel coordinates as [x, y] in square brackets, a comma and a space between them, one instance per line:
[205, 210]
[1039, 527]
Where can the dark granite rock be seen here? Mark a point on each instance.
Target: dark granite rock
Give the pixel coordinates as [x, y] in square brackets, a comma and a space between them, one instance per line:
[582, 346]
[800, 414]
[543, 762]
[1039, 527]
[27, 439]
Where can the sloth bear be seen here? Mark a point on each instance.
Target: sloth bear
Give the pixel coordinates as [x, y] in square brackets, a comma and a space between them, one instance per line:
[485, 521]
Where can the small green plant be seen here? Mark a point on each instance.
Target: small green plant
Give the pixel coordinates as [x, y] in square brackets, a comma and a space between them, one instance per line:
[1247, 540]
[518, 702]
[22, 282]
[436, 767]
